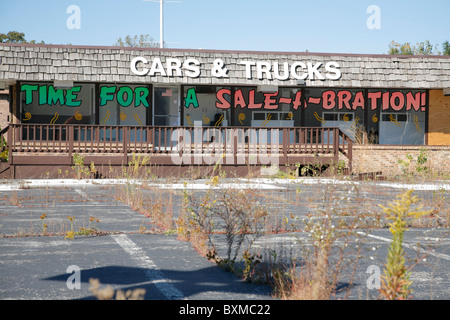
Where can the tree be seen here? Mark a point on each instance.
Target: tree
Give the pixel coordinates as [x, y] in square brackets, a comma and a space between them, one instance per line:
[446, 48]
[15, 37]
[141, 41]
[396, 48]
[426, 48]
[421, 48]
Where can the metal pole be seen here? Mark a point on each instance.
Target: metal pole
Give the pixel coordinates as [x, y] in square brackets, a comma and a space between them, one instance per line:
[161, 24]
[161, 20]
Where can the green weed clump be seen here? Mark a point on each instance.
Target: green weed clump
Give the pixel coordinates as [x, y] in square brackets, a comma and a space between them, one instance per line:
[395, 283]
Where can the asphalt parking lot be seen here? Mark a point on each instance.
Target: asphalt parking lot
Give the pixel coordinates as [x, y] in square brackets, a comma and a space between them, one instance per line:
[51, 266]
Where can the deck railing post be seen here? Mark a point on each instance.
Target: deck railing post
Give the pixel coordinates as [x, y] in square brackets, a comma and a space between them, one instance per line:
[71, 137]
[125, 145]
[336, 144]
[285, 142]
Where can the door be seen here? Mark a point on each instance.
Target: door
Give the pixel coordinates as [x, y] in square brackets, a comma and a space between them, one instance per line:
[166, 106]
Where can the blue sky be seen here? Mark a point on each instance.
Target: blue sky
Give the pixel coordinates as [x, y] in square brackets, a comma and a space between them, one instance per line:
[276, 25]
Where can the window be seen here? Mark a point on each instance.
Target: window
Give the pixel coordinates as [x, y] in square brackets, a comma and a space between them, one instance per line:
[402, 116]
[44, 104]
[207, 106]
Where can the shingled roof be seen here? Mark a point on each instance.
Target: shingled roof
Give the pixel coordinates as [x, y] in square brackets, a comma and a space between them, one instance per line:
[37, 62]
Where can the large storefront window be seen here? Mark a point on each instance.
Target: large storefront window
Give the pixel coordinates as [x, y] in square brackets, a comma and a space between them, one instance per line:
[267, 109]
[125, 105]
[241, 107]
[343, 109]
[402, 116]
[379, 116]
[208, 106]
[369, 116]
[44, 104]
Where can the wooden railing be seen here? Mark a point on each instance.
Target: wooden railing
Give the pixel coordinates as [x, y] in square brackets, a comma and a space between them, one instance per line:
[29, 139]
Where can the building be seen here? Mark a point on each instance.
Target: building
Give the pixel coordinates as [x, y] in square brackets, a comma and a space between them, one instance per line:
[110, 102]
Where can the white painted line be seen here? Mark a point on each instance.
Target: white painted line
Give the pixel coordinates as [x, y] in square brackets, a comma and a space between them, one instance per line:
[85, 197]
[154, 274]
[437, 185]
[433, 253]
[240, 183]
[205, 186]
[16, 185]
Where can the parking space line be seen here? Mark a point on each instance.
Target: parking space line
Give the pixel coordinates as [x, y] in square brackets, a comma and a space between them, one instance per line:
[154, 274]
[433, 253]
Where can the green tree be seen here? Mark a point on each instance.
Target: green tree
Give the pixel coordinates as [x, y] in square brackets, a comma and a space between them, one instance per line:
[425, 48]
[141, 41]
[396, 48]
[15, 37]
[421, 48]
[446, 48]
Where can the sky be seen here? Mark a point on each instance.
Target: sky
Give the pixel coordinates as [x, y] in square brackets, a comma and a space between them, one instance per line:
[331, 26]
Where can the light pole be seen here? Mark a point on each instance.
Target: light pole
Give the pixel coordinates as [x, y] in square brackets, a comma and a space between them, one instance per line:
[161, 20]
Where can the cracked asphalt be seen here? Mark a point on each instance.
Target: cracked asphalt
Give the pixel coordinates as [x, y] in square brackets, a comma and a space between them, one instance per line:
[34, 266]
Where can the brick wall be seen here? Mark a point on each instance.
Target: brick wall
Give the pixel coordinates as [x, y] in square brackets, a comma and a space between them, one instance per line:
[439, 118]
[377, 158]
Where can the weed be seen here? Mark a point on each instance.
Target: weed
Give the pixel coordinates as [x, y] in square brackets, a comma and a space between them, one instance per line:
[108, 293]
[310, 170]
[395, 283]
[15, 201]
[136, 164]
[420, 164]
[235, 213]
[79, 167]
[4, 151]
[44, 225]
[90, 230]
[71, 233]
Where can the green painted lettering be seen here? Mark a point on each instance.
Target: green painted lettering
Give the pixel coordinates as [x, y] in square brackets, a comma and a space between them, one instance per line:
[42, 95]
[106, 94]
[55, 96]
[191, 98]
[129, 99]
[141, 94]
[28, 88]
[71, 95]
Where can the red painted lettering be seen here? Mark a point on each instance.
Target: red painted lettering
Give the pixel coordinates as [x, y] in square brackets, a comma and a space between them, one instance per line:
[344, 99]
[413, 101]
[329, 99]
[359, 101]
[297, 101]
[385, 100]
[251, 101]
[373, 97]
[239, 99]
[269, 102]
[401, 101]
[221, 102]
[314, 100]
